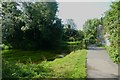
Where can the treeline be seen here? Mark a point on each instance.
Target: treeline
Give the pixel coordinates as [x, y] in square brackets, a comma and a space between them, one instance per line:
[35, 26]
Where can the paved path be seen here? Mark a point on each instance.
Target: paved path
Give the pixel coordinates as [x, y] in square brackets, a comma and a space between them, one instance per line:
[99, 64]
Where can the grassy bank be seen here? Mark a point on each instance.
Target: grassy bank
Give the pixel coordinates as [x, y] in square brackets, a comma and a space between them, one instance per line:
[70, 66]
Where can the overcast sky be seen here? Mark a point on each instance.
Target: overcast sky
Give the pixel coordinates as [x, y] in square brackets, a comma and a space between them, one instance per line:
[81, 11]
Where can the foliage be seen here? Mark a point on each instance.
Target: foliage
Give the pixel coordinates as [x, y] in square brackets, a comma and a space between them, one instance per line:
[72, 39]
[111, 26]
[4, 47]
[59, 68]
[67, 47]
[33, 24]
[11, 23]
[72, 34]
[90, 30]
[113, 53]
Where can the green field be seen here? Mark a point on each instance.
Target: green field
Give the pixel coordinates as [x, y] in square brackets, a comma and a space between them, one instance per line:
[25, 64]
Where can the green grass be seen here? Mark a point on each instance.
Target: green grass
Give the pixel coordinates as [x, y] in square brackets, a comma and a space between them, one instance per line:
[25, 56]
[70, 66]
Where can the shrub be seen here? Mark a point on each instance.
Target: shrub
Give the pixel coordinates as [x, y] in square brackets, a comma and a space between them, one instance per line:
[113, 52]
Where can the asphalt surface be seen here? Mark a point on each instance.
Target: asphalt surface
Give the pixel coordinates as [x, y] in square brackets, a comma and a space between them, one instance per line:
[99, 64]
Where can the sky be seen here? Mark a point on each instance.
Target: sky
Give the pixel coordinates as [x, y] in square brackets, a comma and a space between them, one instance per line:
[81, 11]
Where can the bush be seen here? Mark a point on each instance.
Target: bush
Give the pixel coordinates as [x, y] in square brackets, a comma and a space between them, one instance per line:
[113, 52]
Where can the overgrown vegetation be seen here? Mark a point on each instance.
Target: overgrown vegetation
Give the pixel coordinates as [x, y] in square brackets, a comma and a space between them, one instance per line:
[71, 66]
[111, 27]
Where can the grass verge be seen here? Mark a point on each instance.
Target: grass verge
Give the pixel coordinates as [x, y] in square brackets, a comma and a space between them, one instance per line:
[71, 66]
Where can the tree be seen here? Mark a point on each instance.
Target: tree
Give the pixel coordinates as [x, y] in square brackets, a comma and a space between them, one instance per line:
[11, 23]
[34, 25]
[72, 34]
[90, 29]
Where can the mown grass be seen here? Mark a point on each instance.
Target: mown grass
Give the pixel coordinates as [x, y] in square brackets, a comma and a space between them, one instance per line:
[71, 66]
